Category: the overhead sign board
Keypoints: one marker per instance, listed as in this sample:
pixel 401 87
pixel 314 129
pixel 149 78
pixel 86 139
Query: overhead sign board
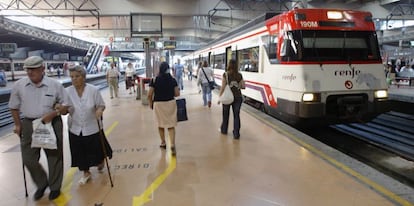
pixel 151 44
pixel 146 24
pixel 169 44
pixel 8 47
pixel 404 44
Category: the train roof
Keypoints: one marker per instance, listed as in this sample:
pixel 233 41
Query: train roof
pixel 252 24
pixel 323 19
pixel 359 17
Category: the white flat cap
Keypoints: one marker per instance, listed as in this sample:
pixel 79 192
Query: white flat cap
pixel 33 62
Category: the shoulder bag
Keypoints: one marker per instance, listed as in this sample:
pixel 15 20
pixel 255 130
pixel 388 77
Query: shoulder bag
pixel 181 110
pixel 227 96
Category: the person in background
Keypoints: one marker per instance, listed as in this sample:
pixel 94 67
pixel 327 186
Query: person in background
pixel 59 70
pixel 84 131
pixel 199 66
pixel 38 96
pixel 205 74
pixel 190 71
pixel 3 78
pixel 161 98
pixel 112 77
pixel 129 80
pixel 236 83
pixel 178 74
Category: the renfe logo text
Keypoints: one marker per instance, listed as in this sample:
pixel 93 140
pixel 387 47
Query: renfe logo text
pixel 348 73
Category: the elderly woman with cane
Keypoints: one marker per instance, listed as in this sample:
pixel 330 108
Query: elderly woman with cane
pixel 85 125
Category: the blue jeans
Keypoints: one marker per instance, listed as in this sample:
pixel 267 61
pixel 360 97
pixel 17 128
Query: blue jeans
pixel 236 105
pixel 179 79
pixel 206 93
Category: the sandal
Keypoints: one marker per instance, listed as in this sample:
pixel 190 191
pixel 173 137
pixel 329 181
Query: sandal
pixel 163 146
pixel 84 179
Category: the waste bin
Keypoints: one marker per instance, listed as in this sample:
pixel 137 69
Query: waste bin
pixel 144 90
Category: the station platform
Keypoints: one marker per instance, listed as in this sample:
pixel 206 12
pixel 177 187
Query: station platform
pixel 271 164
pixel 405 94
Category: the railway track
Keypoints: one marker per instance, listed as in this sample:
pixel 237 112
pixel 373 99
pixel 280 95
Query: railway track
pixel 386 143
pixel 391 131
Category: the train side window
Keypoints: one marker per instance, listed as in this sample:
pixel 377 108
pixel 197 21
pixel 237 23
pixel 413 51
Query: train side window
pixel 273 48
pixel 290 50
pixel 248 59
pixel 219 62
pixel 270 44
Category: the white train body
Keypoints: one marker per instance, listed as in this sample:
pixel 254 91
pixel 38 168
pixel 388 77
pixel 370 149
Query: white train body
pixel 341 89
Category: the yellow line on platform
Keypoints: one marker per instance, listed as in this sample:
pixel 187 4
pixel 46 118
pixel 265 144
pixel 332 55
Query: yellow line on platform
pixel 66 196
pixel 375 186
pixel 146 195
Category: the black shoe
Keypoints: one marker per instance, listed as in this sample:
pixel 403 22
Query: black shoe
pixel 39 193
pixel 54 194
pixel 236 135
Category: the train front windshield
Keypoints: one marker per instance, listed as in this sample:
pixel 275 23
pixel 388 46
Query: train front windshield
pixel 319 46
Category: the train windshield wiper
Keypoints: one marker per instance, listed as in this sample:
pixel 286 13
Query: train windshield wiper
pixel 318 58
pixel 345 51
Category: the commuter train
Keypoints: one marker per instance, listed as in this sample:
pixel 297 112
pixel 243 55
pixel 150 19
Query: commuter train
pixel 306 65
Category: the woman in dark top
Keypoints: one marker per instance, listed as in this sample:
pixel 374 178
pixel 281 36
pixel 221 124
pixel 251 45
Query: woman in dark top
pixel 236 83
pixel 161 95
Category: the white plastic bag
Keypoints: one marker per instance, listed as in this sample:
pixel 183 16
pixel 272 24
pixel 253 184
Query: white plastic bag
pixel 227 96
pixel 43 135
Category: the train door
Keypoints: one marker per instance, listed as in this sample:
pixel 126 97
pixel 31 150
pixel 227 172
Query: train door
pixel 228 56
pixel 210 60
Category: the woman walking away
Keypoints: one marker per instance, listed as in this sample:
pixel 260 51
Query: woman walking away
pixel 236 82
pixel 205 75
pixel 161 98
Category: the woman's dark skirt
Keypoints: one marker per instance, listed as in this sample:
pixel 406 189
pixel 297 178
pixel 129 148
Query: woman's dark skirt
pixel 86 151
pixel 129 82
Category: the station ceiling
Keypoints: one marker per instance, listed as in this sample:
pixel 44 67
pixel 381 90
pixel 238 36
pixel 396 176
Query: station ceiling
pixel 189 22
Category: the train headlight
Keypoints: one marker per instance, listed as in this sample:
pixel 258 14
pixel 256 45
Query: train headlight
pixel 380 94
pixel 311 97
pixel 334 15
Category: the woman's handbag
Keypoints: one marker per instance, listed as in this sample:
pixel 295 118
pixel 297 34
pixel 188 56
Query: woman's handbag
pixel 227 96
pixel 181 110
pixel 43 135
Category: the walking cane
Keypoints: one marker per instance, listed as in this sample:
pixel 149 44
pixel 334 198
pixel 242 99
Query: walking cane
pixel 104 151
pixel 24 178
pixel 24 175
